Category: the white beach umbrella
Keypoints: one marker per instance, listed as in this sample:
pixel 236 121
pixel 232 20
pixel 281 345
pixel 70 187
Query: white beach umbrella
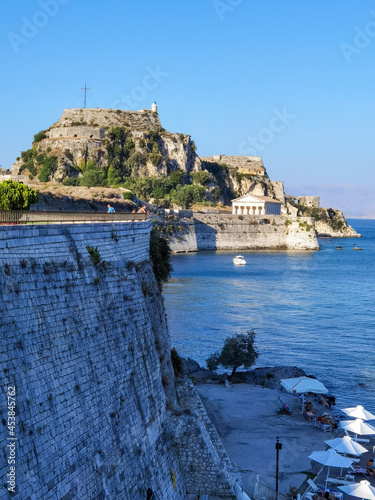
pixel 359 412
pixel 363 489
pixel 331 459
pixel 347 445
pixel 357 426
pixel 303 384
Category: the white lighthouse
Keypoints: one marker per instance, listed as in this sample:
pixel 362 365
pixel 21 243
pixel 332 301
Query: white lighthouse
pixel 154 107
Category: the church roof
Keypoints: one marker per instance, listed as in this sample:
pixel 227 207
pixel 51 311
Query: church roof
pixel 253 197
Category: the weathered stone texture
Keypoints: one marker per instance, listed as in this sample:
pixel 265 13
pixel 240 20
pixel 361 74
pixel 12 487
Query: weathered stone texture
pixel 202 457
pixel 79 346
pixel 237 232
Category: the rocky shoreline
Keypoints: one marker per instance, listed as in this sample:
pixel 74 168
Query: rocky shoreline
pixel 267 376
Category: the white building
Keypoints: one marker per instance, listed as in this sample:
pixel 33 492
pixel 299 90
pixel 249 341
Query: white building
pixel 255 205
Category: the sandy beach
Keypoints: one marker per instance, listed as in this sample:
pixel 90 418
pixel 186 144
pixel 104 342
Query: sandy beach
pixel 246 419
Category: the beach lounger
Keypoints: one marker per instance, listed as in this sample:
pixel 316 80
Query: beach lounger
pixel 339 480
pixel 357 469
pixel 316 488
pixel 359 440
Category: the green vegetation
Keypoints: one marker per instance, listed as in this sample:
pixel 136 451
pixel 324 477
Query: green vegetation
pixel 330 216
pixel 155 187
pixel 48 166
pixel 16 196
pixel 121 151
pixel 237 351
pixel 93 176
pixel 94 255
pixel 202 177
pixel 160 255
pixel 38 164
pixel 40 136
pixel 187 195
pixel 127 195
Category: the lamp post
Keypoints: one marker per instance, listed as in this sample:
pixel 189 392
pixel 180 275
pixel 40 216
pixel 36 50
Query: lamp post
pixel 278 447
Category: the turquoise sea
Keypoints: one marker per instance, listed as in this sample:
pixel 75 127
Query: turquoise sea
pixel 314 310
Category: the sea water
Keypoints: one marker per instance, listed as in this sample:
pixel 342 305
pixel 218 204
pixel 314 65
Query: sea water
pixel 314 310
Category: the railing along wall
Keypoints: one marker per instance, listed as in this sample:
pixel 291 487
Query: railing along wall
pixel 36 217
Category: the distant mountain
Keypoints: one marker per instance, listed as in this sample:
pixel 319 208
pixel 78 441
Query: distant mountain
pixel 355 200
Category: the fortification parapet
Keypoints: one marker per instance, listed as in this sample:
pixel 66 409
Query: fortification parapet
pixel 144 119
pixel 309 201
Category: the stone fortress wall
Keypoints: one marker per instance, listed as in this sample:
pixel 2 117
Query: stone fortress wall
pixel 71 132
pixel 242 232
pixel 309 201
pixel 8 175
pixel 85 344
pixel 144 119
pixel 251 165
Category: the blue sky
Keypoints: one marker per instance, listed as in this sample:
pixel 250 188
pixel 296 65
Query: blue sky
pixel 290 81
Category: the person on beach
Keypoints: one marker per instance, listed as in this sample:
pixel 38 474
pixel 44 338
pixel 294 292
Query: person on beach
pixel 370 468
pixel 110 210
pixel 308 405
pixel 324 419
pixel 324 402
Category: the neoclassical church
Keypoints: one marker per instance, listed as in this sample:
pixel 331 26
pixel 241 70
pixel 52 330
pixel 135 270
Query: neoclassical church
pixel 255 205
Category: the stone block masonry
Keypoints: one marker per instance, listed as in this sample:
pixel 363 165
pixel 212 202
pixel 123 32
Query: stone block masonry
pixel 78 345
pixel 85 344
pixel 237 232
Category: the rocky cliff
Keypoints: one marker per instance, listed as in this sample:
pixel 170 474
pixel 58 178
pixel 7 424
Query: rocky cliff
pixel 82 136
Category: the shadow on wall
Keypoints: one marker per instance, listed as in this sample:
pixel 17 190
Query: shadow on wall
pixel 205 235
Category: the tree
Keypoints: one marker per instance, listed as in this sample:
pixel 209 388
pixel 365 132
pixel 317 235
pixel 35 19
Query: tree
pixel 160 255
pixel 237 351
pixel 16 196
pixel 40 136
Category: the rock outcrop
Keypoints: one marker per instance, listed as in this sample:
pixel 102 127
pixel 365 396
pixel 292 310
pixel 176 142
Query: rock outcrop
pixel 81 135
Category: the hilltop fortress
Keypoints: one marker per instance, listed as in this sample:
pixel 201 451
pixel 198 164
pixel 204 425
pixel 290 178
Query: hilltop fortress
pixel 139 147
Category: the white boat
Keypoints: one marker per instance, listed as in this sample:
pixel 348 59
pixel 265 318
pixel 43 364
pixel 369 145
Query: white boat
pixel 239 261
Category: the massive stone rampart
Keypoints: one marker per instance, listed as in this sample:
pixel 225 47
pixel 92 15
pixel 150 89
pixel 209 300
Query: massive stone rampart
pixel 85 344
pixel 237 232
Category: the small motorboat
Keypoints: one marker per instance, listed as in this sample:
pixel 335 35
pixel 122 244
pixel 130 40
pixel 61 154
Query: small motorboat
pixel 239 261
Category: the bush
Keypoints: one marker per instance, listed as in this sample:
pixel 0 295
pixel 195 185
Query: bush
pixel 188 195
pixel 201 177
pixel 113 178
pixel 71 181
pixel 16 196
pixel 120 149
pixel 128 195
pixel 49 166
pixel 40 136
pixel 155 159
pixel 94 255
pixel 175 178
pixel 217 193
